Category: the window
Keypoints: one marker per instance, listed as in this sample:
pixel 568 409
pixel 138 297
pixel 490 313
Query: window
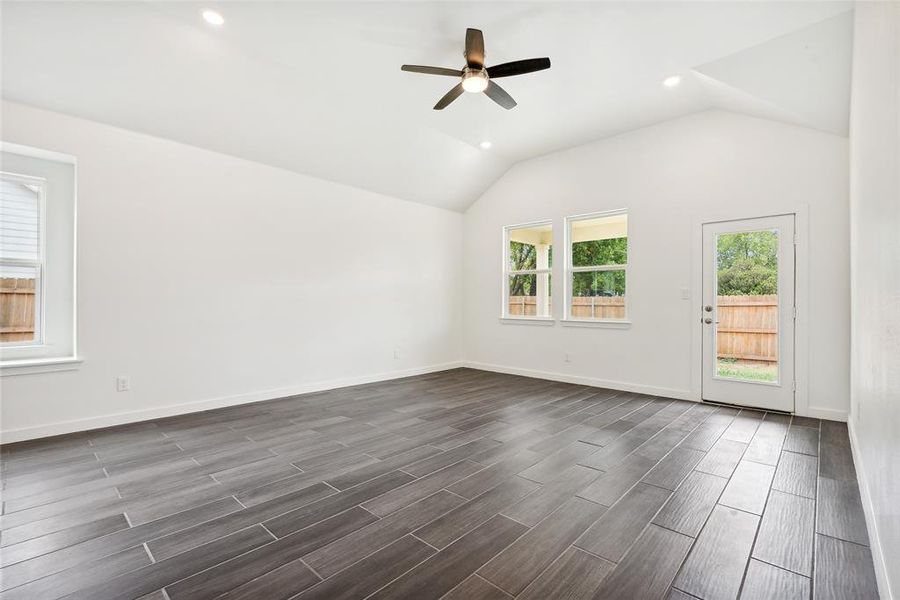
pixel 528 257
pixel 37 260
pixel 21 259
pixel 597 267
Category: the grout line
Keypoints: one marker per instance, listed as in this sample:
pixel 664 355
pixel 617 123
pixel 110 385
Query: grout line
pixel 495 586
pixel 147 550
pixel 314 572
pixel 426 543
pixel 274 537
pixel 238 501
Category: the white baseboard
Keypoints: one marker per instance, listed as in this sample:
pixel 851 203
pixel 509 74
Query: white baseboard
pixel 829 414
pixel 172 410
pixel 881 572
pixel 592 381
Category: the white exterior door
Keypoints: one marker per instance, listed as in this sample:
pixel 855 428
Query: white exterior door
pixel 748 312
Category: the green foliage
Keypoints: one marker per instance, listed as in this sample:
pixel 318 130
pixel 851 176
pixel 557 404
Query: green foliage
pixel 748 263
pixel 600 252
pixel 594 253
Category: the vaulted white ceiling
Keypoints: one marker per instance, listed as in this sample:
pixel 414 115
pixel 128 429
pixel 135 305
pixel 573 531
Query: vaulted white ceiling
pixel 317 88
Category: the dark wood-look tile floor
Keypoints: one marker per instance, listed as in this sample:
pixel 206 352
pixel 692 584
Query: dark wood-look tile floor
pixel 460 484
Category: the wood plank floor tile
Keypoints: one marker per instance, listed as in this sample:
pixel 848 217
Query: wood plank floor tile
pixel 690 505
pixel 649 567
pixel 843 570
pixel 449 567
pixel 326 494
pixel 748 487
pixel 786 534
pixel 242 569
pixel 373 572
pixel 279 584
pixel 476 588
pixel 575 574
pixel 723 458
pixel 804 440
pixel 796 474
pixel 517 566
pixel 840 513
pixel 314 512
pixel 672 469
pixel 342 553
pixel 715 567
pixel 614 533
pixel 765 582
pixel 531 509
pixel 441 532
pixel 421 488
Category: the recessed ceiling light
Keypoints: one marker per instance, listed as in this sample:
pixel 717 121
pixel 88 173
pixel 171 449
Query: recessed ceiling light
pixel 672 81
pixel 484 145
pixel 213 18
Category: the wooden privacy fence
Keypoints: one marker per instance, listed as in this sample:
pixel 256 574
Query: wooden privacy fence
pixel 16 309
pixel 748 328
pixel 748 325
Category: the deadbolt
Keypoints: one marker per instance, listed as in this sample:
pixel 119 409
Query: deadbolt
pixel 707 308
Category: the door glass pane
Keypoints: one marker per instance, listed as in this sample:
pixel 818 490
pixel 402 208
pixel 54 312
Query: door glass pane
pixel 747 306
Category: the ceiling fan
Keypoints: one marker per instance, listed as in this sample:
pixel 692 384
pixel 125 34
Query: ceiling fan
pixel 475 77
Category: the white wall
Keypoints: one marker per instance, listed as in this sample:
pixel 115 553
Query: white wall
pixel 670 176
pixel 875 268
pixel 213 280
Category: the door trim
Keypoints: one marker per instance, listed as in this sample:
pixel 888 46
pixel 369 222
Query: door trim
pixel 801 299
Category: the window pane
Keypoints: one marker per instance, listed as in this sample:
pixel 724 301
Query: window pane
pixel 19 211
pixel 600 241
pixel 747 306
pixel 530 248
pixel 529 295
pixel 598 295
pixel 17 304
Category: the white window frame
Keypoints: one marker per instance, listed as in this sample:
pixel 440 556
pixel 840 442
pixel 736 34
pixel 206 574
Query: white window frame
pixel 58 350
pixel 570 270
pixel 507 273
pixel 38 265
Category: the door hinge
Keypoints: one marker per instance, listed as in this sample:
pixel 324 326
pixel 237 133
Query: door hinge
pixel 795 313
pixel 796 239
pixel 793 386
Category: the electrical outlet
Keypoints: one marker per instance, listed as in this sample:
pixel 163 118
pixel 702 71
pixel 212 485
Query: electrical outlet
pixel 123 383
pixel 396 353
pixel 567 358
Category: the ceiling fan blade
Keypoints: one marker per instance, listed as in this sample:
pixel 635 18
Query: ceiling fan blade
pixel 449 97
pixel 432 70
pixel 474 48
pixel 519 67
pixel 499 95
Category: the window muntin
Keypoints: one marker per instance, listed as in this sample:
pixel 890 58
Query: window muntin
pixel 21 259
pixel 527 263
pixel 597 266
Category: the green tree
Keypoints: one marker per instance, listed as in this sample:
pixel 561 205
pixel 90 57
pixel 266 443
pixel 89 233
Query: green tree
pixel 599 252
pixel 747 263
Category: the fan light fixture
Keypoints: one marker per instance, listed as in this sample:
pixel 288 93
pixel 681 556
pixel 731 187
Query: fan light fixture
pixel 485 145
pixel 213 18
pixel 476 77
pixel 474 81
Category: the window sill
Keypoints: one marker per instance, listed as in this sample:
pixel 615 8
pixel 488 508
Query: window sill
pixel 528 320
pixel 39 365
pixel 607 324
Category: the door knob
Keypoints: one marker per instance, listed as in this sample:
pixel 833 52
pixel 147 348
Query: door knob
pixel 707 320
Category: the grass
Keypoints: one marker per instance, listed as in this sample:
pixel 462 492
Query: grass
pixel 747 371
